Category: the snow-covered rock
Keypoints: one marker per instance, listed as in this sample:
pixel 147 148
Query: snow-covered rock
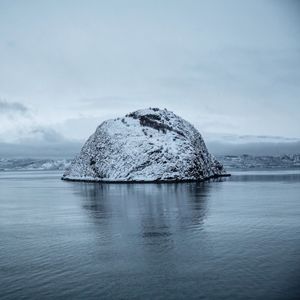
pixel 146 145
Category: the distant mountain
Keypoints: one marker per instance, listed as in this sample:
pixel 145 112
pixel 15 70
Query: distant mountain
pixel 28 164
pixel 252 145
pixel 146 145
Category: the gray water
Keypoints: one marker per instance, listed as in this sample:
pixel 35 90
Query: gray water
pixel 232 239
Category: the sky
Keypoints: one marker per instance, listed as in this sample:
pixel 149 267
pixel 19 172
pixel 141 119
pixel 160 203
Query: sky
pixel 231 68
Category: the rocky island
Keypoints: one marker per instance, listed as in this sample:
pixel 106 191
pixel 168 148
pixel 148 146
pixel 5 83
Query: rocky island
pixel 149 145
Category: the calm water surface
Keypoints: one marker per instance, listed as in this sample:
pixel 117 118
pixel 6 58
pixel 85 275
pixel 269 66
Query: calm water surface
pixel 234 239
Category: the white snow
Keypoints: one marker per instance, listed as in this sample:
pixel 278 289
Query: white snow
pixel 147 145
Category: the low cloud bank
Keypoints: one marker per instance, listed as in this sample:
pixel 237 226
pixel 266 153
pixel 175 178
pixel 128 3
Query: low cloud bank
pixel 12 107
pixel 66 149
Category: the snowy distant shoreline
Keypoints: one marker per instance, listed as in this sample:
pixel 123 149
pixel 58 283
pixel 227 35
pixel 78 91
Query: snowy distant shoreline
pixel 251 162
pixel 32 164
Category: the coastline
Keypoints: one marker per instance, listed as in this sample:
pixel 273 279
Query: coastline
pixel 93 180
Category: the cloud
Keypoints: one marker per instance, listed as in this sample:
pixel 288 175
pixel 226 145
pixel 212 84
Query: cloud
pixel 230 68
pixel 12 108
pixel 39 142
pixel 42 134
pixel 21 126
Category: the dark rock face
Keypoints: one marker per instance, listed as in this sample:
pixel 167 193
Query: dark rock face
pixel 146 145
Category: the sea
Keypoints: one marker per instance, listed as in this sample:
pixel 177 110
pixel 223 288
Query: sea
pixel 233 238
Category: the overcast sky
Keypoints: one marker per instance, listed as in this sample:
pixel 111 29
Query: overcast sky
pixel 232 68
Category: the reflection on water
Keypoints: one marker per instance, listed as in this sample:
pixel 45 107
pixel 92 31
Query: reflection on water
pixel 238 238
pixel 154 212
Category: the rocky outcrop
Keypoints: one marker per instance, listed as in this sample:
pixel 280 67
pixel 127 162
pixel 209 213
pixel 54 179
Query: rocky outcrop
pixel 146 145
